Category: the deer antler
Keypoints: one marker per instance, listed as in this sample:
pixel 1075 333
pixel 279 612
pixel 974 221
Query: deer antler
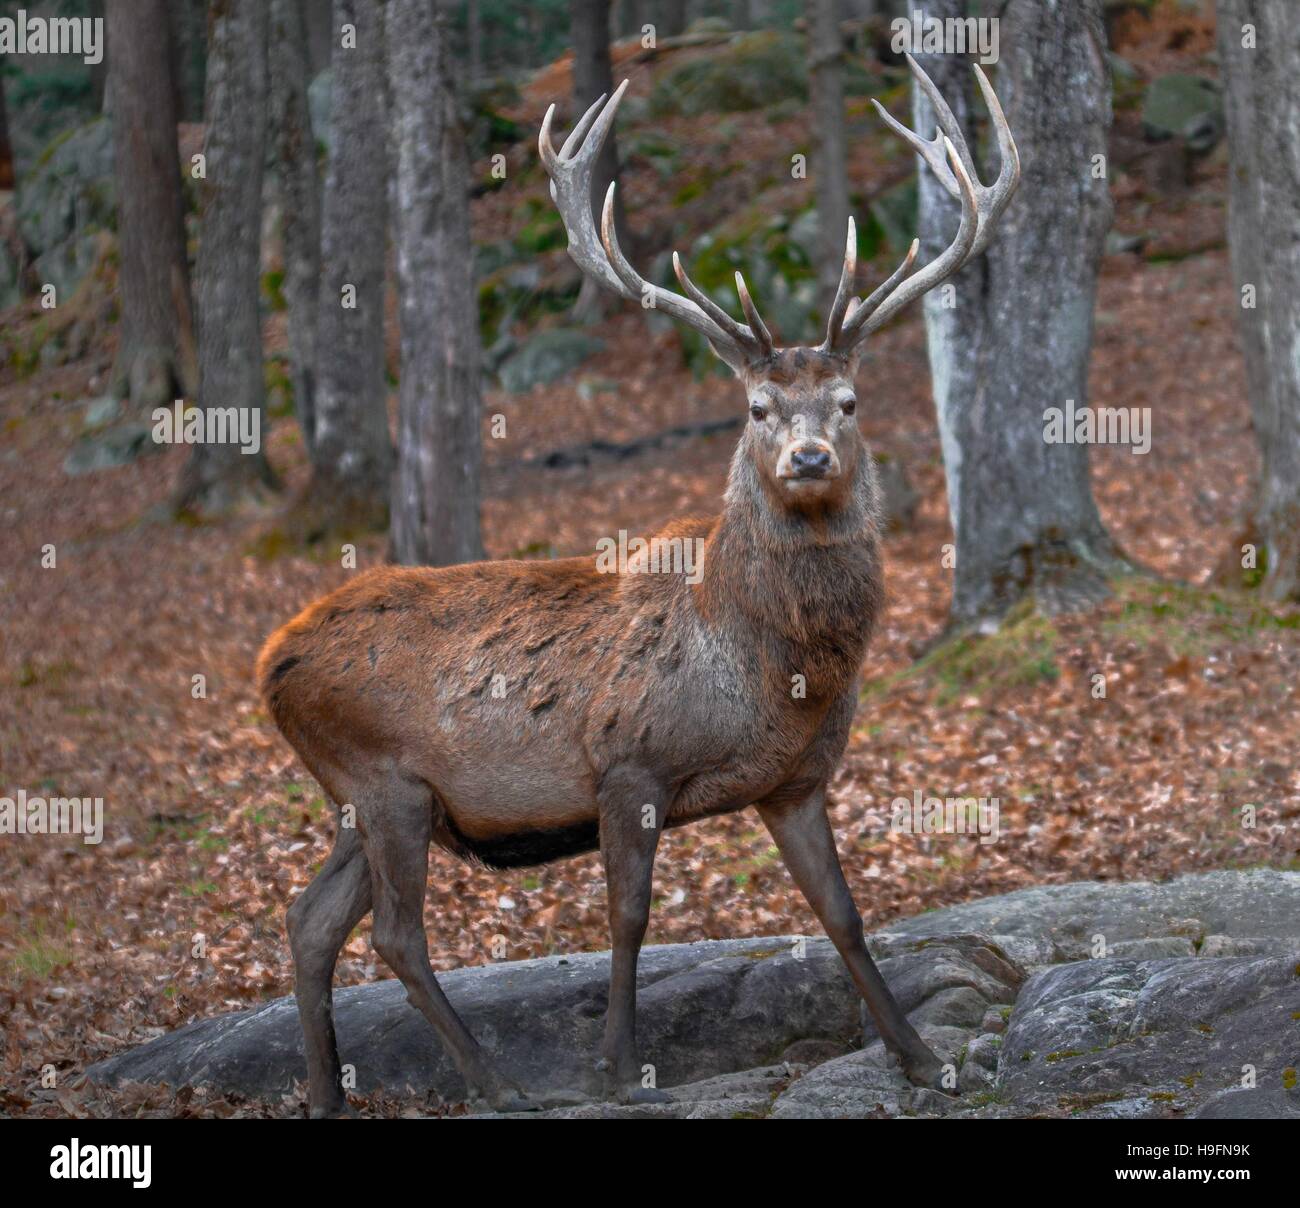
pixel 950 160
pixel 600 257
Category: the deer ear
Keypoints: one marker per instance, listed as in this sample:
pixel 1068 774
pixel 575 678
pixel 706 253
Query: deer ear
pixel 734 358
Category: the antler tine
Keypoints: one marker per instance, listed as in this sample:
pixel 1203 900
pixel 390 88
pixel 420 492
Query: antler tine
pixel 950 160
pixel 844 291
pixel 859 312
pixel 999 194
pixel 752 317
pixel 707 304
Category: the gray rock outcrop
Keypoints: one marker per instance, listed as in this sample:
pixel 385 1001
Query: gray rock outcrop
pixel 1089 1000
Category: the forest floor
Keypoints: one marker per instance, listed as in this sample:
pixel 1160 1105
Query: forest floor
pixel 212 825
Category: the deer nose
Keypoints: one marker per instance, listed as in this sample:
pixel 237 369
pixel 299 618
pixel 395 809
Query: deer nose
pixel 810 463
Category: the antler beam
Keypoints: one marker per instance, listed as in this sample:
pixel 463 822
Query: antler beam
pixel 597 253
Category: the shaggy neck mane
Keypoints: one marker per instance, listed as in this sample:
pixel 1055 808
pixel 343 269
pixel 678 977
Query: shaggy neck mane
pixel 811 578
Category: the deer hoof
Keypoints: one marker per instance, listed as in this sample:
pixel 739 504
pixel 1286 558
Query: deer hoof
pixel 342 1110
pixel 925 1070
pixel 510 1099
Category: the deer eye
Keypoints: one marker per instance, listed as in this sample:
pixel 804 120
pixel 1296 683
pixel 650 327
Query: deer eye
pixel 848 405
pixel 757 412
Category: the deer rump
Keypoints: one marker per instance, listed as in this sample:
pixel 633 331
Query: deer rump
pixel 506 689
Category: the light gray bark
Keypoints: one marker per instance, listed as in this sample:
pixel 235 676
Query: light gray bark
pixel 351 450
pixel 1019 337
pixel 229 326
pixel 435 503
pixel 299 202
pixel 1263 113
pixel 155 332
pixel 830 163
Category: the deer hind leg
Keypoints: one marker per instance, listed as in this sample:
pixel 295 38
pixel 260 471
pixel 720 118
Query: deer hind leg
pixel 631 819
pixel 396 835
pixel 320 922
pixel 803 835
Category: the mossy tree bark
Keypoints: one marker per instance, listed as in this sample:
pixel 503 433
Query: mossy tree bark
pixel 1013 335
pixel 830 163
pixel 435 512
pixel 154 354
pixel 1259 58
pixel 300 202
pixel 351 450
pixel 221 475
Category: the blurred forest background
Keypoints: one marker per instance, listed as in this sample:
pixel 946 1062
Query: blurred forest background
pixel 185 219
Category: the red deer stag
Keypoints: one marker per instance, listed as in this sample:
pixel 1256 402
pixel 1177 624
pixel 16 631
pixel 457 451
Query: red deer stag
pixel 632 702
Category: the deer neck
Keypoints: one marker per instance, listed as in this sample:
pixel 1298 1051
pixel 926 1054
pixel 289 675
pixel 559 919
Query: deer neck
pixel 811 579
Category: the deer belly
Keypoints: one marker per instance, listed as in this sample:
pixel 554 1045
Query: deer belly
pixel 491 788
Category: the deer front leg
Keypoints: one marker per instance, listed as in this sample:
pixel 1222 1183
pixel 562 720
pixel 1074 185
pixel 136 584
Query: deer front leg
pixel 632 805
pixel 803 834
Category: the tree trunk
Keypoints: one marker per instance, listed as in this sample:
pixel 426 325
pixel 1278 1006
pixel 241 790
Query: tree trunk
pixel 98 72
pixel 300 202
pixel 189 54
pixel 474 35
pixel 153 274
pixel 352 454
pixel 435 514
pixel 830 165
pixel 672 18
pixel 221 474
pixel 592 77
pixel 1013 338
pixel 318 24
pixel 1263 112
pixel 6 148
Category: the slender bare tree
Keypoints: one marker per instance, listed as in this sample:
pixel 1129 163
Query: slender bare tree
pixel 352 454
pixel 300 201
pixel 6 148
pixel 1259 57
pixel 830 163
pixel 153 274
pixel 223 471
pixel 189 21
pixel 435 511
pixel 1012 336
pixel 672 18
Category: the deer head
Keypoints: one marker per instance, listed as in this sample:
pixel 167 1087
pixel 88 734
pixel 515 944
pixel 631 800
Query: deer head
pixel 803 439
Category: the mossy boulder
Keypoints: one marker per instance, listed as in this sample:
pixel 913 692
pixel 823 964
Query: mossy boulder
pixel 545 357
pixel 65 201
pixel 1183 106
pixel 753 71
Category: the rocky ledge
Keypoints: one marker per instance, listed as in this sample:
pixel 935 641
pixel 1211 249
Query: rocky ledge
pixel 1128 1000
